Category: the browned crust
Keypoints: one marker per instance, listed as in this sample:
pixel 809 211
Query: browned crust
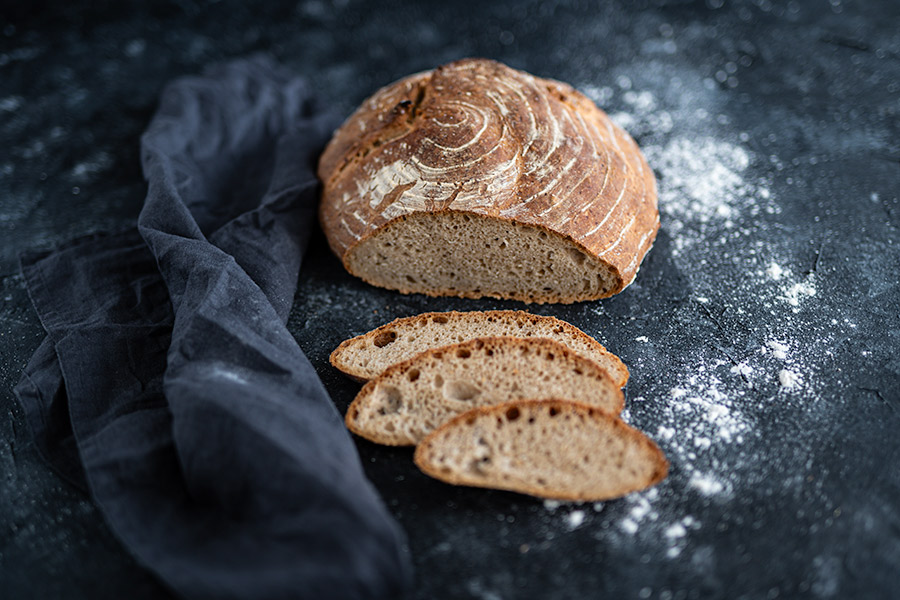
pixel 336 357
pixel 609 187
pixel 401 367
pixel 423 450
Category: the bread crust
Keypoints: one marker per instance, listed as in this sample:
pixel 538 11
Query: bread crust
pixel 424 450
pixel 479 138
pixel 620 376
pixel 365 394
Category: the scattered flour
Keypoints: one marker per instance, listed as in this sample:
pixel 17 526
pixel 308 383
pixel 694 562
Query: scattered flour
pixel 640 509
pixel 799 291
pixel 789 379
pixel 774 271
pixel 628 526
pixel 675 531
pixel 10 103
pixel 575 519
pixel 641 512
pixel 717 215
pixel 135 48
pixel 703 178
pixel 707 484
pixel 97 163
pixel 779 349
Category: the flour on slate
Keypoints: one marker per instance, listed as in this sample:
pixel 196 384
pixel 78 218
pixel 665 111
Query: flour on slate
pixel 714 206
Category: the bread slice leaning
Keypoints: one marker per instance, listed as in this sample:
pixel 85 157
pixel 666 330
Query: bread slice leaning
pixel 412 398
pixel 550 449
pixel 367 355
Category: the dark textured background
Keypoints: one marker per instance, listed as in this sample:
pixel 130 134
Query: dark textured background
pixel 789 112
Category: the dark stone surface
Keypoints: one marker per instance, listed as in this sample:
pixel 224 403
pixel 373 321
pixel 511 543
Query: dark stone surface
pixel 774 130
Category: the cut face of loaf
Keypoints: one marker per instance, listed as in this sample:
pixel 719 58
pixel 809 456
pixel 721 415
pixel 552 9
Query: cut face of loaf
pixel 410 399
pixel 551 449
pixel 476 179
pixel 472 256
pixel 366 356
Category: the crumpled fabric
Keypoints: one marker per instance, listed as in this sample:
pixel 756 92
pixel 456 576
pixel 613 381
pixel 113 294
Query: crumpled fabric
pixel 168 386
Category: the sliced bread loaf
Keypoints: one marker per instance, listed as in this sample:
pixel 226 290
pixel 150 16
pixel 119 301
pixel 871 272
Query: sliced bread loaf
pixel 412 398
pixel 551 449
pixel 367 355
pixel 476 179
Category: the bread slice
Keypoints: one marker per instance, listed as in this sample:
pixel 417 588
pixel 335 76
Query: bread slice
pixel 550 449
pixel 412 398
pixel 367 355
pixel 475 179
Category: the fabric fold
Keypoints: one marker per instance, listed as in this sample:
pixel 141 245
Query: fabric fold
pixel 169 384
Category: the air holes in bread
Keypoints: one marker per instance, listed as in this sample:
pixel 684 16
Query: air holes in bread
pixel 512 414
pixel 460 390
pixel 384 338
pixel 578 257
pixel 413 374
pixel 463 353
pixel 389 400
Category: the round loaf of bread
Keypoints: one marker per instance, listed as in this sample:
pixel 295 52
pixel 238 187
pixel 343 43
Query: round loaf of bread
pixel 476 179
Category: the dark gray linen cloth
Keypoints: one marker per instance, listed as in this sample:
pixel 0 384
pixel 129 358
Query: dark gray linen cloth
pixel 168 386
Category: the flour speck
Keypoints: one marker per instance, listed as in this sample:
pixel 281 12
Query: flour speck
pixel 774 271
pixel 707 484
pixel 789 379
pixel 799 291
pixel 575 519
pixel 779 349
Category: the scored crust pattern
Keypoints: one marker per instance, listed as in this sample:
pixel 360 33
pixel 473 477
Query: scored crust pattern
pixel 476 136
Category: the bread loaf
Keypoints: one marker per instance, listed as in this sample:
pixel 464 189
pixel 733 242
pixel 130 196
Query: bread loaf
pixel 410 399
pixel 476 179
pixel 367 355
pixel 551 449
